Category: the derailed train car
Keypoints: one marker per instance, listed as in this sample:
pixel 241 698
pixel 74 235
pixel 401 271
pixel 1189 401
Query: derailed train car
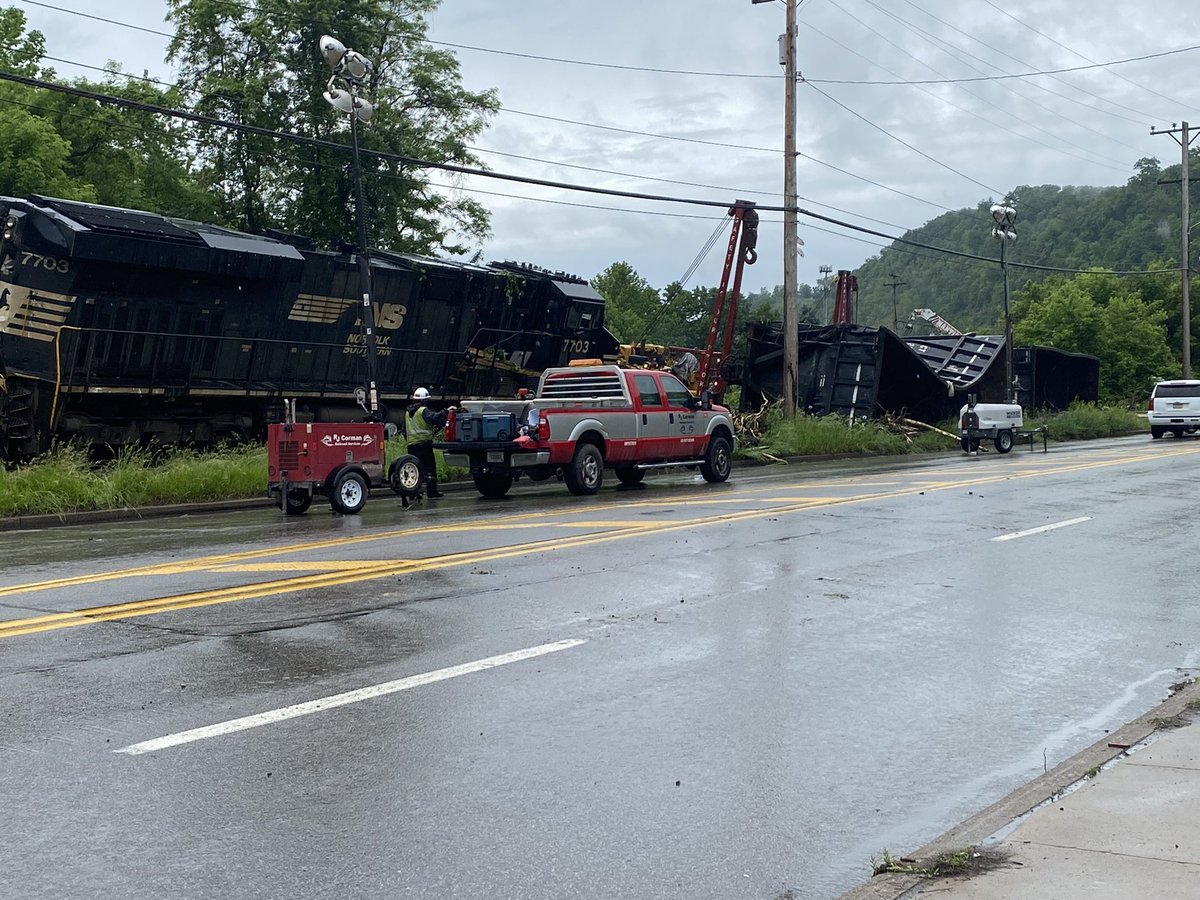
pixel 119 326
pixel 860 372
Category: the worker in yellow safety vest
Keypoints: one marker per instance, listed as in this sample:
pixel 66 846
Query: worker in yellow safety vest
pixel 421 425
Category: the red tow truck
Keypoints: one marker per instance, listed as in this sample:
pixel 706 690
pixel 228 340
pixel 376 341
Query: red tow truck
pixel 586 418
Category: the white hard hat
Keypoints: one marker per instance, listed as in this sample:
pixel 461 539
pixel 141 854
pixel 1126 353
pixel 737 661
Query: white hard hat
pixel 420 394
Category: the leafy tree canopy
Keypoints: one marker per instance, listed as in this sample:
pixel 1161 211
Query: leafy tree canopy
pixel 1118 320
pixel 259 64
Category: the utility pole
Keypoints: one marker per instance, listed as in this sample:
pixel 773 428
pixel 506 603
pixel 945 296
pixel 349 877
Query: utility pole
pixel 1184 140
pixel 893 284
pixel 791 336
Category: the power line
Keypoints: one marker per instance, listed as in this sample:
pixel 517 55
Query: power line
pixel 1015 59
pixel 970 112
pixel 550 162
pixel 484 173
pixel 977 96
pixel 1006 77
pixel 1082 56
pixel 663 71
pixel 83 15
pixel 899 140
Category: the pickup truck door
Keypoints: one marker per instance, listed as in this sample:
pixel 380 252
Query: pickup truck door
pixel 654 431
pixel 686 425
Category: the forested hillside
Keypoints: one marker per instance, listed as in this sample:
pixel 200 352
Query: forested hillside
pixel 1135 226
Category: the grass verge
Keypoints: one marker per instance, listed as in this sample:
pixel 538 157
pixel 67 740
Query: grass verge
pixel 64 480
pixel 833 435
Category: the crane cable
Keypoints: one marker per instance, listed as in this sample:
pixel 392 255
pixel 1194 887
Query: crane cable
pixel 713 240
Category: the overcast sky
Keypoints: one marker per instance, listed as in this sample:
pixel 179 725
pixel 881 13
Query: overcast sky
pixel 906 152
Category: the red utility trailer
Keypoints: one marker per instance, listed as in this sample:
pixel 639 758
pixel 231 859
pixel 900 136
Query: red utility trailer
pixel 342 460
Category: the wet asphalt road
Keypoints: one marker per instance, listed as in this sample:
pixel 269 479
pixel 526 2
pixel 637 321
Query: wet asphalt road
pixel 738 690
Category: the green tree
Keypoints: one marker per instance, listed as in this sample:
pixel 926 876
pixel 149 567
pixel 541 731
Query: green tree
pixel 129 157
pixel 630 303
pixel 1106 316
pixel 34 157
pixel 259 64
pixel 20 53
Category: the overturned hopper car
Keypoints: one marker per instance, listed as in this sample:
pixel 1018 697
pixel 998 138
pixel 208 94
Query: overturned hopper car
pixel 119 326
pixel 861 372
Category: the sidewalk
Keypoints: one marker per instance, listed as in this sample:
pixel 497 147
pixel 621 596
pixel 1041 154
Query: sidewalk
pixel 1130 828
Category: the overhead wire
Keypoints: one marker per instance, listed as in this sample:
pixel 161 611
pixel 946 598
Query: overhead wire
pixel 1113 165
pixel 484 173
pixel 551 162
pixel 979 97
pixel 1105 66
pixel 1007 55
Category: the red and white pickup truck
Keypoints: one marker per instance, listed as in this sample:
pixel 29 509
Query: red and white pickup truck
pixel 584 419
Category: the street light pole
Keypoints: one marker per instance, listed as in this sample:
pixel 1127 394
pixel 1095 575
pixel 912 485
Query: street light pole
pixel 826 271
pixel 1005 231
pixel 349 71
pixel 893 284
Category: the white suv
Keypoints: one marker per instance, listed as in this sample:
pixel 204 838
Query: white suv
pixel 1174 406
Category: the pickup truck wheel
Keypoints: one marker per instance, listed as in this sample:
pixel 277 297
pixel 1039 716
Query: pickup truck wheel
pixel 630 474
pixel 1004 441
pixel 1156 432
pixel 717 460
pixel 349 494
pixel 492 485
pixel 970 445
pixel 585 473
pixel 1178 432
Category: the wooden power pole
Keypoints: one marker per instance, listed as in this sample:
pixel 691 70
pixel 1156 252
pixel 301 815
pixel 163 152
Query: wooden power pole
pixel 1184 138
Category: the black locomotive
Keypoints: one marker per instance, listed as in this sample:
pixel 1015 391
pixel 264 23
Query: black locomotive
pixel 119 326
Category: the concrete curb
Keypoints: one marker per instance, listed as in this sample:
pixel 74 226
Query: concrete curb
pixel 975 830
pixel 92 516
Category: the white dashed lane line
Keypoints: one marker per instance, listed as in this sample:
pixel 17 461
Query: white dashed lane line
pixel 332 702
pixel 1028 531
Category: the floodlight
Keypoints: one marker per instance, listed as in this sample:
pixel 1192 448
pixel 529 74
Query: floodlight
pixel 339 100
pixel 333 50
pixel 355 64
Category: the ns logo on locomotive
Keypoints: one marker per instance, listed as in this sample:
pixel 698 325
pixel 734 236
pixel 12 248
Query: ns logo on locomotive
pixel 119 326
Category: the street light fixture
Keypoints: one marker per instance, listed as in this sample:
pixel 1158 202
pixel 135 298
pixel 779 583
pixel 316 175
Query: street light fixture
pixel 350 69
pixel 1004 229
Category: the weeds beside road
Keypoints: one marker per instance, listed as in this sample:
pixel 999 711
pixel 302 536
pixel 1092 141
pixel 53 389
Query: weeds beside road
pixel 65 480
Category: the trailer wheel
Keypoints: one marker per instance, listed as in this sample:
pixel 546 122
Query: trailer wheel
pixel 349 494
pixel 406 476
pixel 492 485
pixel 1004 441
pixel 585 473
pixel 298 502
pixel 717 460
pixel 630 474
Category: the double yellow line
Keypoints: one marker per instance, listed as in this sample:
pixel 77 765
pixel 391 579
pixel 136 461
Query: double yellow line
pixel 341 573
